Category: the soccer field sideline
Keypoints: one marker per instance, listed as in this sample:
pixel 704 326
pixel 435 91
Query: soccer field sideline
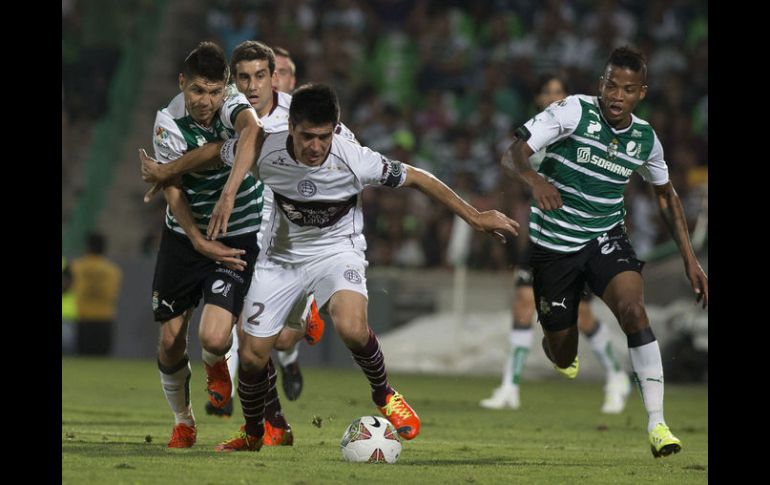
pixel 115 425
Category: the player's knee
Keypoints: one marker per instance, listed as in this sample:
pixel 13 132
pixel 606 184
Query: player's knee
pixel 287 339
pixel 632 316
pixel 216 344
pixel 355 333
pixel 252 361
pixel 172 344
pixel 170 355
pixel 351 325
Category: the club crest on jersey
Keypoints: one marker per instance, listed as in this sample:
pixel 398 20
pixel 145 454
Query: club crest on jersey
pixel 306 188
pixel 353 276
pixel 545 308
pixel 612 149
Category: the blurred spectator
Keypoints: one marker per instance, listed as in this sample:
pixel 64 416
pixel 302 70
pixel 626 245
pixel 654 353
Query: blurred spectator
pixel 285 78
pixel 96 284
pixel 233 25
pixel 69 311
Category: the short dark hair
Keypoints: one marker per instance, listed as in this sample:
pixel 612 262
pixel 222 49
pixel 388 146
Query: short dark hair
pixel 316 103
pixel 544 79
pixel 207 61
pixel 252 50
pixel 95 243
pixel 629 58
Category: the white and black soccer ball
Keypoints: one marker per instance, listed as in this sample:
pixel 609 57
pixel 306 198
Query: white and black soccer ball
pixel 371 439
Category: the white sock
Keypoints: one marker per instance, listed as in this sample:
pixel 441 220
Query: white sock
pixel 648 375
pixel 601 345
pixel 232 361
pixel 286 357
pixel 210 358
pixel 176 387
pixel 521 341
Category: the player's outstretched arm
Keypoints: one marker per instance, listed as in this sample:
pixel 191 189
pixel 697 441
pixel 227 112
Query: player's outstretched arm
pixel 515 162
pixel 211 249
pixel 249 129
pixel 160 174
pixel 493 222
pixel 673 214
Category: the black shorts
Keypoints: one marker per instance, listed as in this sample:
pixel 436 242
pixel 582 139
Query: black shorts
pixel 560 278
pixel 523 277
pixel 183 275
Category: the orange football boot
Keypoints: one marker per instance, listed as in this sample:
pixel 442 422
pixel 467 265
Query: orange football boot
pixel 401 415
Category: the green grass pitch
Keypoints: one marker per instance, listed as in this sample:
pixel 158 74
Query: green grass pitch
pixel 116 423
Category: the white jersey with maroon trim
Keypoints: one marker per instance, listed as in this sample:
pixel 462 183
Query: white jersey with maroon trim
pixel 275 121
pixel 318 209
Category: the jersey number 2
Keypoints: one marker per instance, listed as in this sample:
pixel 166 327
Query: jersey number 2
pixel 260 308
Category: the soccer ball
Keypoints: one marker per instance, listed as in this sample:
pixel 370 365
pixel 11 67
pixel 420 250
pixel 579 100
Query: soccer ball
pixel 371 439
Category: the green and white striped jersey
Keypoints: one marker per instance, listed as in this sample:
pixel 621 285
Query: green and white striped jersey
pixel 176 133
pixel 590 163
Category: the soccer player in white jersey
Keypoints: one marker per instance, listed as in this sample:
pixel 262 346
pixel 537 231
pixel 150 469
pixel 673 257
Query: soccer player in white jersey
pixel 188 265
pixel 318 247
pixel 593 145
pixel 285 77
pixel 255 70
pixel 284 80
pixel 551 88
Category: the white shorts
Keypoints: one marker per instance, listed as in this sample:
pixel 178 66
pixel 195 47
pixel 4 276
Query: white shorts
pixel 279 293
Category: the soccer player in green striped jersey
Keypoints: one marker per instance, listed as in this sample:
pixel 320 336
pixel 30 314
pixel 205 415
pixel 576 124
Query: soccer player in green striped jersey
pixel 255 71
pixel 593 145
pixel 552 88
pixel 188 265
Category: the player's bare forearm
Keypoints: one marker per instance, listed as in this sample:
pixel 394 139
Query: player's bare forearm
pixel 672 212
pixel 250 130
pixel 492 221
pixel 201 158
pixel 162 174
pixel 177 202
pixel 214 250
pixel 515 163
pixel 437 190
